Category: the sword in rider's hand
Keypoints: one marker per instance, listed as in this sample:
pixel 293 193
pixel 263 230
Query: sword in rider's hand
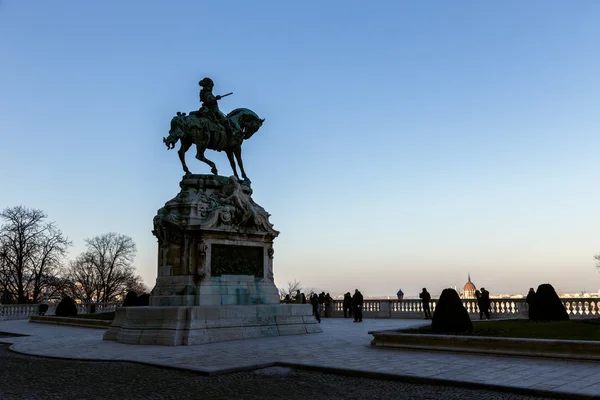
pixel 219 97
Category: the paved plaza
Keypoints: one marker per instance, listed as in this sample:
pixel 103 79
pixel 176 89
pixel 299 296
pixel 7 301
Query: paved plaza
pixel 342 347
pixel 31 378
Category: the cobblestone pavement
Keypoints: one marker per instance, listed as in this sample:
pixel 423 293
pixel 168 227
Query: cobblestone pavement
pixel 25 377
pixel 341 346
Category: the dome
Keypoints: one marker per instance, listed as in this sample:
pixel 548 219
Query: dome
pixel 469 289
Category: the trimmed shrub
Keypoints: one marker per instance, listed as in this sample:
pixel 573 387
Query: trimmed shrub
pixel 450 315
pixel 130 299
pixel 143 300
pixel 66 308
pixel 547 306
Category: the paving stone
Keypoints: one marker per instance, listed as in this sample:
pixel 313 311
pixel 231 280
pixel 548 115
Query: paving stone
pixel 26 377
pixel 343 345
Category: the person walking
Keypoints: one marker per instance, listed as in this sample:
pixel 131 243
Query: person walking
pixel 485 303
pixel 357 303
pixel 347 304
pixel 321 302
pixel 425 299
pixel 314 301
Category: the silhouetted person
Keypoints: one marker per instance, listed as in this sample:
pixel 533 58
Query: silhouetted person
pixel 347 304
pixel 357 303
pixel 328 306
pixel 298 297
pixel 479 303
pixel 321 302
pixel 303 299
pixel 425 299
pixel 529 300
pixel 314 301
pixel 287 299
pixel 400 294
pixel 484 305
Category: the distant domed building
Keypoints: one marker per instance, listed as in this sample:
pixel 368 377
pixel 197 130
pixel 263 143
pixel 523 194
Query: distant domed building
pixel 469 289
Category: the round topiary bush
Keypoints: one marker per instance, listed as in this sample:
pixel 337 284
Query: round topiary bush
pixel 450 315
pixel 547 306
pixel 143 300
pixel 66 308
pixel 130 299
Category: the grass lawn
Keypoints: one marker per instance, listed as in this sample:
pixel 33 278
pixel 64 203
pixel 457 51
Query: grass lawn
pixel 105 316
pixel 586 329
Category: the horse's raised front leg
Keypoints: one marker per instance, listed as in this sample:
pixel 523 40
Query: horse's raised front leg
pixel 184 147
pixel 238 156
pixel 232 162
pixel 200 149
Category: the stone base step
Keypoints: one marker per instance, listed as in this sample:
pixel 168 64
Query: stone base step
pixel 193 325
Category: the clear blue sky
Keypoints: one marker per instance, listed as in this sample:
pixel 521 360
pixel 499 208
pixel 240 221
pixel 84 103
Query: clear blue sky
pixel 405 144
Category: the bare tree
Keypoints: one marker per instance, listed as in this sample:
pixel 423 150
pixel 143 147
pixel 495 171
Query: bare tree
pixel 84 283
pixel 136 283
pixel 31 253
pixel 58 286
pixel 106 268
pixel 291 289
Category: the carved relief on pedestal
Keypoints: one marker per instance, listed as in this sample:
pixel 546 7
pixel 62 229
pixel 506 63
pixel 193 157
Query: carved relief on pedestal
pixel 202 248
pixel 212 208
pixel 167 232
pixel 223 203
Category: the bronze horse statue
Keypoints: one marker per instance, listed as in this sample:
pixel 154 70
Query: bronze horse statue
pixel 207 134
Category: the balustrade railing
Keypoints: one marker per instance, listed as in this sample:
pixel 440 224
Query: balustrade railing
pixel 499 308
pixel 24 311
pixel 372 308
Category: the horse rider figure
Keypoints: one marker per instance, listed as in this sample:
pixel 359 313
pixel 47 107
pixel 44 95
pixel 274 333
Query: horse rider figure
pixel 210 107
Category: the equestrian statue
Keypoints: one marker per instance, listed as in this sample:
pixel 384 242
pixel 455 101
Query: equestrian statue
pixel 209 128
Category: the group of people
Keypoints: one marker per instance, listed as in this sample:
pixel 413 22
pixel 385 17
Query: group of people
pixel 352 305
pixel 322 304
pixel 299 298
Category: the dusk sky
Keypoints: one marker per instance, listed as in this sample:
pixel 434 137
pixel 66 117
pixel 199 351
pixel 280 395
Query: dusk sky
pixel 405 145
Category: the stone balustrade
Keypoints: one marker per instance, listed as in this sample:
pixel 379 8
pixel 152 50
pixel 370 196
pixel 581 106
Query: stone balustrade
pixel 24 311
pixel 17 311
pixel 382 308
pixel 499 308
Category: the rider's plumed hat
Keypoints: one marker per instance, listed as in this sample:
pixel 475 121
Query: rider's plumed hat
pixel 206 82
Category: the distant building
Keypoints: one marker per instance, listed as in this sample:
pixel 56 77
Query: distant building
pixel 469 289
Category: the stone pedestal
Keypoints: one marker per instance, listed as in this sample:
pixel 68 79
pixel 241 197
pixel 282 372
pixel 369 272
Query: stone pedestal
pixel 215 272
pixel 176 326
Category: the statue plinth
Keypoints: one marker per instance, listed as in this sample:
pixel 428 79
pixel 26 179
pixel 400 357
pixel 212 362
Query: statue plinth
pixel 215 272
pixel 215 246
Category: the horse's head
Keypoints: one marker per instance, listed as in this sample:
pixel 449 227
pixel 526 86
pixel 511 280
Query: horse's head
pixel 247 120
pixel 251 126
pixel 177 130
